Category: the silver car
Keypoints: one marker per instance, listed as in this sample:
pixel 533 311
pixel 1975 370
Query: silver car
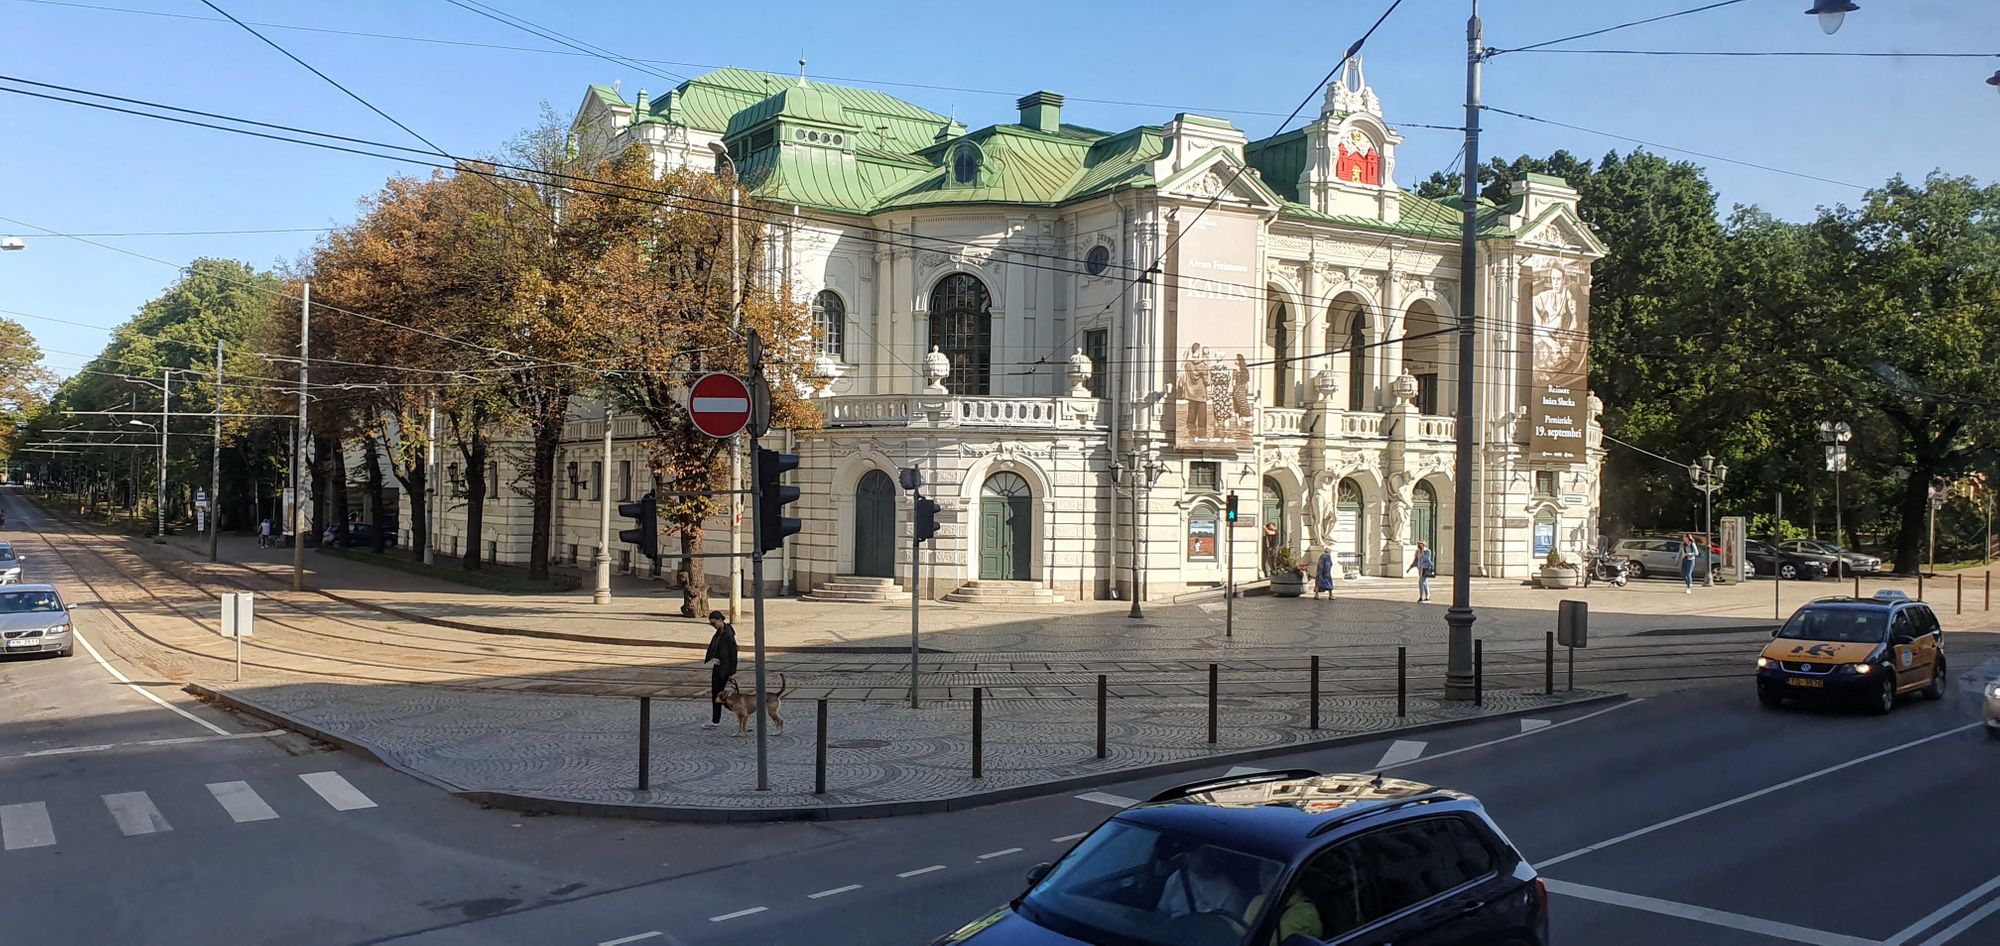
pixel 1993 709
pixel 1657 558
pixel 33 620
pixel 10 564
pixel 1850 563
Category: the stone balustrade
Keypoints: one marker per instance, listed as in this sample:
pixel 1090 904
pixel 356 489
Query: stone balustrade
pixel 1437 428
pixel 1283 421
pixel 904 410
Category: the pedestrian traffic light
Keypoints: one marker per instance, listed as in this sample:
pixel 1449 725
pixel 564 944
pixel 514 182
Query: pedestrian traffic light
pixel 1229 509
pixel 772 497
pixel 645 531
pixel 927 513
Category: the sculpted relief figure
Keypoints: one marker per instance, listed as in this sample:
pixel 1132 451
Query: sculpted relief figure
pixel 1399 506
pixel 1322 509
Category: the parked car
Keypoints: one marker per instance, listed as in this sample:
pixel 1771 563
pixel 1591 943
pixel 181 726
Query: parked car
pixel 1293 858
pixel 1845 563
pixel 10 564
pixel 1788 565
pixel 1659 558
pixel 33 620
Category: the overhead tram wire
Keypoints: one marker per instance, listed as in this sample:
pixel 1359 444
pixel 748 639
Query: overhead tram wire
pixel 542 32
pixel 1490 51
pixel 1653 144
pixel 1758 53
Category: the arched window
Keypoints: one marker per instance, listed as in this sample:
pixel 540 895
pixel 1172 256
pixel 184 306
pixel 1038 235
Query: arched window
pixel 965 164
pixel 1357 360
pixel 1273 513
pixel 1201 538
pixel 961 326
pixel 830 320
pixel 1279 334
pixel 1424 515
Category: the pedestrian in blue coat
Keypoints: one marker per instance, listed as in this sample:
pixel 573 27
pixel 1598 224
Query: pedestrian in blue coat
pixel 1323 575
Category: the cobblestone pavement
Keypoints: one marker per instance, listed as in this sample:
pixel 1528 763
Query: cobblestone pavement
pixel 583 749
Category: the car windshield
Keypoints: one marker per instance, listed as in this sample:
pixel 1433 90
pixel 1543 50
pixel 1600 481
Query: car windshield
pixel 6 555
pixel 1131 885
pixel 17 602
pixel 1848 625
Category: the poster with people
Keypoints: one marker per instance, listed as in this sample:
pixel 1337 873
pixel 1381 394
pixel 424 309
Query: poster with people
pixel 1213 334
pixel 1559 325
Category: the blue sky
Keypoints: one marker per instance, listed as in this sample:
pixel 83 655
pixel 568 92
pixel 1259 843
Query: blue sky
pixel 82 171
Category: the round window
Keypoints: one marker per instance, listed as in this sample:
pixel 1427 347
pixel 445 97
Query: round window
pixel 837 139
pixel 800 134
pixel 1097 260
pixel 812 136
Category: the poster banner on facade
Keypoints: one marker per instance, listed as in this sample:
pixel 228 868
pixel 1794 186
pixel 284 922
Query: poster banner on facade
pixel 1212 334
pixel 1559 405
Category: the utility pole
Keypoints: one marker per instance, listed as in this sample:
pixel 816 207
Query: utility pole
pixel 602 594
pixel 299 439
pixel 431 491
pixel 1458 677
pixel 215 461
pixel 160 502
pixel 736 441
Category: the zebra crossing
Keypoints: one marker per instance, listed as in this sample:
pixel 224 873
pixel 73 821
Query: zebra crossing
pixel 28 825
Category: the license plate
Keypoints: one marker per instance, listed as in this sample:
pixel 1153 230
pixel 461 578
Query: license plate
pixel 1799 682
pixel 26 642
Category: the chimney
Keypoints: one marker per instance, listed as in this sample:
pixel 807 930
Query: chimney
pixel 1041 111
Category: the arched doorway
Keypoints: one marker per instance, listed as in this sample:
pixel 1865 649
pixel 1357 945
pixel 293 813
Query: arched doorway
pixel 875 525
pixel 1006 510
pixel 1347 533
pixel 961 326
pixel 1424 515
pixel 1273 515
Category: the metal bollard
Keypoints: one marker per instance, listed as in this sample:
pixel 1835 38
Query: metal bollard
pixel 1988 606
pixel 645 742
pixel 1920 583
pixel 1857 584
pixel 1479 672
pixel 819 753
pixel 1549 663
pixel 1313 714
pixel 1211 704
pixel 1402 682
pixel 1958 607
pixel 978 730
pixel 1101 688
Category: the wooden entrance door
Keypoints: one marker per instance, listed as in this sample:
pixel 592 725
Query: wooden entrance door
pixel 1005 528
pixel 875 526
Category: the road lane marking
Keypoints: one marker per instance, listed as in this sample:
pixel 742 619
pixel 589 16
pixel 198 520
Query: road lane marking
pixel 1530 725
pixel 1910 932
pixel 993 854
pixel 176 741
pixel 1688 911
pixel 25 825
pixel 337 791
pixel 1244 770
pixel 1966 922
pixel 142 691
pixel 241 801
pixel 1065 839
pixel 834 891
pixel 135 813
pixel 1401 751
pixel 1519 735
pixel 921 870
pixel 1781 786
pixel 1106 798
pixel 635 937
pixel 737 914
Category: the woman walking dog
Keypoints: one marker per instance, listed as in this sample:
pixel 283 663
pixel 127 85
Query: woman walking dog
pixel 722 650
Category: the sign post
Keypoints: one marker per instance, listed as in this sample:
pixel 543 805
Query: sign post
pixel 719 405
pixel 1573 631
pixel 238 619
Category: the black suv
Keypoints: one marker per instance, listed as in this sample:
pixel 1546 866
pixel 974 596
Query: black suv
pixel 1289 858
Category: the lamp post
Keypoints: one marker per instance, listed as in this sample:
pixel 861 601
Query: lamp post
pixel 1835 434
pixel 735 323
pixel 1150 470
pixel 1708 476
pixel 602 560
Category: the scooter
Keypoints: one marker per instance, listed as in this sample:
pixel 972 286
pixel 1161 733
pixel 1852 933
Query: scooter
pixel 1606 568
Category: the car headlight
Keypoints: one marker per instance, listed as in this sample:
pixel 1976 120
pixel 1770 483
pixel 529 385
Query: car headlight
pixel 58 629
pixel 1862 668
pixel 1763 662
pixel 1993 691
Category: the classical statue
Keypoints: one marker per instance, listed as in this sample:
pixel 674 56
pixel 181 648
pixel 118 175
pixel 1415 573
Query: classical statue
pixel 1399 505
pixel 1322 507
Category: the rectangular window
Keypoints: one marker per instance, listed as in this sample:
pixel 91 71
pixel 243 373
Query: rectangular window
pixel 572 553
pixel 624 481
pixel 1097 347
pixel 596 480
pixel 1545 483
pixel 1204 476
pixel 1427 394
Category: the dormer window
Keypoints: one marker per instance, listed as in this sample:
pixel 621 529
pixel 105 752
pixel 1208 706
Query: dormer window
pixel 965 164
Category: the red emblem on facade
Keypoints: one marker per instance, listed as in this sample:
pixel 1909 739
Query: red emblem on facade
pixel 1358 167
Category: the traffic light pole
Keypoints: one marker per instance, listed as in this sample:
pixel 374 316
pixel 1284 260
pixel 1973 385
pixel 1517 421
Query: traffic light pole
pixel 916 596
pixel 757 606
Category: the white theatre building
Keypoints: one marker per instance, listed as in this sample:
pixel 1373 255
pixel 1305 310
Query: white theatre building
pixel 982 311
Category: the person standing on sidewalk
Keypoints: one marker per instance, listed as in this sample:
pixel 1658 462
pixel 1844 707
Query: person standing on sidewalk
pixel 722 650
pixel 1425 567
pixel 1323 575
pixel 1687 563
pixel 264 533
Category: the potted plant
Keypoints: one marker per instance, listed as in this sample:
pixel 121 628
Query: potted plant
pixel 1288 576
pixel 1558 572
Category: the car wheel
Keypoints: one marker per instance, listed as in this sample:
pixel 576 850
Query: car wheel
pixel 1885 696
pixel 1638 570
pixel 1993 732
pixel 1788 572
pixel 1934 690
pixel 1770 697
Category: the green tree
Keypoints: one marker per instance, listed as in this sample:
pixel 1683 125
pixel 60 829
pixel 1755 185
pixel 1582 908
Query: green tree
pixel 24 384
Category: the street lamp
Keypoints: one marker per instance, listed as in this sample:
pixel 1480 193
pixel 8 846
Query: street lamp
pixel 1831 13
pixel 1994 82
pixel 721 153
pixel 13 243
pixel 1708 476
pixel 1835 434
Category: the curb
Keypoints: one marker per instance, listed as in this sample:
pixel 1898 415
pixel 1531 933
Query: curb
pixel 533 803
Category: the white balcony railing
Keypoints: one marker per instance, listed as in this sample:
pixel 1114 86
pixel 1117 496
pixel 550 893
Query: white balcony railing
pixel 1283 421
pixel 904 410
pixel 1354 424
pixel 1437 428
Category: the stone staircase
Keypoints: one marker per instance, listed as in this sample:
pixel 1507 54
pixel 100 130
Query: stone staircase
pixel 984 591
pixel 858 588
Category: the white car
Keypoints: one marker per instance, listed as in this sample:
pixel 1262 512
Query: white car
pixel 1993 708
pixel 10 565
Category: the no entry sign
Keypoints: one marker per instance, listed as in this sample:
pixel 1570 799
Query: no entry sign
pixel 719 404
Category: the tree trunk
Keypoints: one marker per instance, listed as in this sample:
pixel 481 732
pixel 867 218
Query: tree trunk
pixel 548 436
pixel 338 514
pixel 372 455
pixel 692 574
pixel 315 523
pixel 475 498
pixel 415 478
pixel 1913 510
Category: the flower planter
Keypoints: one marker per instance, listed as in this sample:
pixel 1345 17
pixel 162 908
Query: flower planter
pixel 1559 577
pixel 1288 585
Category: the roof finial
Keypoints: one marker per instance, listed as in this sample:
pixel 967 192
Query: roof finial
pixel 802 67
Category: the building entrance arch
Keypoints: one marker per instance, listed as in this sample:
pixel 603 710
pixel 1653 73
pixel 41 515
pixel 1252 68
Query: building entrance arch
pixel 875 525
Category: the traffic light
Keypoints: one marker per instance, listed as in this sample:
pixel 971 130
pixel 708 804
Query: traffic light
pixel 773 496
pixel 1229 509
pixel 927 513
pixel 645 531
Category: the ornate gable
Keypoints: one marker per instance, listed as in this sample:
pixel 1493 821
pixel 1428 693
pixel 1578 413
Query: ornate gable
pixel 1221 173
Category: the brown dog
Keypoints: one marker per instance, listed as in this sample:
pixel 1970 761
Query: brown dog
pixel 744 705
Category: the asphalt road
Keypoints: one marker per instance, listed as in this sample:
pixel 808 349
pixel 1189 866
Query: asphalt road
pixel 1690 816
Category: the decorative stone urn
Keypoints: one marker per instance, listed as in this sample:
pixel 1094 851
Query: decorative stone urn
pixel 1326 383
pixel 937 367
pixel 1404 388
pixel 1079 374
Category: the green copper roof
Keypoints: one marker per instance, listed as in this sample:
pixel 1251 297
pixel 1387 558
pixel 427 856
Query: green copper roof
pixel 1280 159
pixel 711 101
